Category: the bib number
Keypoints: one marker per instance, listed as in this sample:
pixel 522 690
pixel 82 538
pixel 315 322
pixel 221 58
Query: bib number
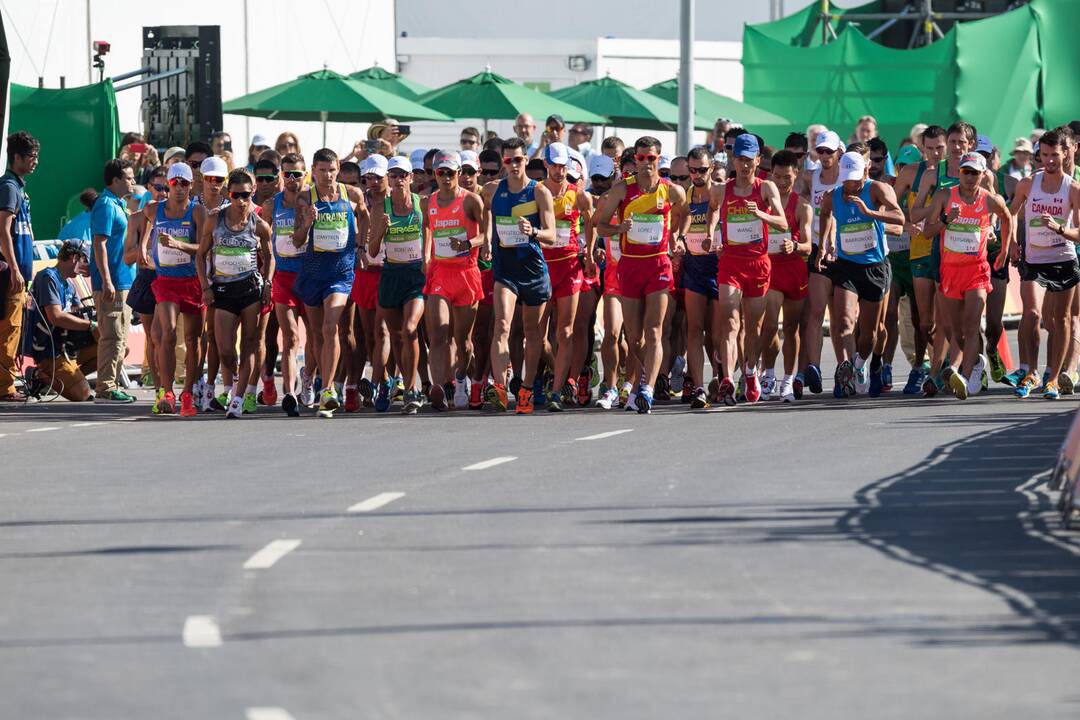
pixel 962 239
pixel 283 243
pixel 510 234
pixel 562 233
pixel 1039 234
pixel 614 249
pixel 230 262
pixel 900 243
pixel 405 249
pixel 443 239
pixel 330 237
pixel 646 230
pixel 858 238
pixel 743 229
pixel 776 242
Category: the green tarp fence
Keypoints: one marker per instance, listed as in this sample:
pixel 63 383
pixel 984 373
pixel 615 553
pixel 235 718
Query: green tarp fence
pixel 79 132
pixel 1006 74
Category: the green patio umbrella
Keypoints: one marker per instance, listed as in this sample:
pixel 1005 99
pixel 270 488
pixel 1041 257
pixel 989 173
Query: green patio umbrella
pixel 327 96
pixel 626 106
pixel 489 96
pixel 714 105
pixel 395 84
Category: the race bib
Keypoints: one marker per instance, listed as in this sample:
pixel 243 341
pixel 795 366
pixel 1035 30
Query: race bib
pixel 695 240
pixel 743 229
pixel 1039 234
pixel 776 242
pixel 231 262
pixel 445 236
pixel 614 249
pixel 171 257
pixel 960 238
pixel 331 235
pixel 562 233
pixel 283 243
pixel 901 243
pixel 646 230
pixel 404 248
pixel 857 238
pixel 510 234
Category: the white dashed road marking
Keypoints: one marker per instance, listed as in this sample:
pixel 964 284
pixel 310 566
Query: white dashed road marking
pixel 374 503
pixel 201 631
pixel 601 436
pixel 484 465
pixel 274 551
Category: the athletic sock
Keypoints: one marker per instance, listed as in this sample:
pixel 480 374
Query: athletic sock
pixel 251 389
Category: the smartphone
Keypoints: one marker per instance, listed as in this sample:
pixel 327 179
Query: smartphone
pixel 371 145
pixel 404 129
pixel 227 146
pixel 138 148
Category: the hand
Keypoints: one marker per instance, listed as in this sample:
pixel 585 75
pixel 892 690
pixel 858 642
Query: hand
pixel 1048 221
pixel 485 253
pixel 911 229
pixel 208 297
pixel 361 257
pixel 307 214
pixel 954 212
pixel 266 294
pixel 678 248
pixel 753 209
pixel 999 261
pixel 525 226
pixel 460 244
pixel 424 266
pixel 589 267
pixel 858 203
pixel 599 255
pixel 626 225
pixel 108 292
pixel 788 247
pixel 166 240
pixel 1014 252
pixel 357 149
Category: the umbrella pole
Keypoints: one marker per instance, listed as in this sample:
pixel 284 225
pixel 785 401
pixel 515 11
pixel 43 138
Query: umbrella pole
pixel 323 115
pixel 485 131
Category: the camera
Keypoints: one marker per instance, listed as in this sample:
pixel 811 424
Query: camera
pixel 101 47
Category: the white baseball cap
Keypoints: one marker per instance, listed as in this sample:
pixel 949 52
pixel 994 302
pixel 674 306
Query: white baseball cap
pixel 470 158
pixel 214 166
pixel 852 166
pixel 179 170
pixel 447 159
pixel 557 154
pixel 973 160
pixel 575 155
pixel 827 139
pixel 665 162
pixel 984 144
pixel 600 164
pixel 400 162
pixel 416 157
pixel 374 165
pixel 259 140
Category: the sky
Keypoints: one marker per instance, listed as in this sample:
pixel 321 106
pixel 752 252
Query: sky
pixel 715 19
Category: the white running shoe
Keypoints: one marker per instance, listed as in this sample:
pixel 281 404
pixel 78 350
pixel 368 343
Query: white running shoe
pixel 206 398
pixel 461 393
pixel 787 390
pixel 678 374
pixel 608 400
pixel 974 383
pixel 631 402
pixel 768 386
pixel 307 392
pixel 236 407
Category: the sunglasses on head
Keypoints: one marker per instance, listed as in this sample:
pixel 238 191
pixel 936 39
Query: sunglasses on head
pixel 240 194
pixel 266 178
pixel 468 171
pixel 213 179
pixel 516 160
pixel 446 172
pixel 489 173
pixel 642 157
pixel 164 188
pixel 293 174
pixel 699 170
pixel 177 181
pixel 678 178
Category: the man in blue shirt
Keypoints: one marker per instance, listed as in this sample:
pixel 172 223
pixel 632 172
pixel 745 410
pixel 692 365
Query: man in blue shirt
pixel 78 227
pixel 56 326
pixel 111 278
pixel 16 255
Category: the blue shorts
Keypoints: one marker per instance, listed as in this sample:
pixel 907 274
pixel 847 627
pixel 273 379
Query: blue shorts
pixel 531 291
pixel 313 290
pixel 699 275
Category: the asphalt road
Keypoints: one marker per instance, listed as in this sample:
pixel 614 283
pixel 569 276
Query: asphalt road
pixel 888 558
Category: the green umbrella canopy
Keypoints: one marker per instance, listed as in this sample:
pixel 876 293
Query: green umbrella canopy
pixel 488 96
pixel 325 95
pixel 395 84
pixel 715 105
pixel 626 106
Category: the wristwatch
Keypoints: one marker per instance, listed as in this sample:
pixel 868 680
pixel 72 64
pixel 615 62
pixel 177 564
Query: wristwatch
pixel 534 234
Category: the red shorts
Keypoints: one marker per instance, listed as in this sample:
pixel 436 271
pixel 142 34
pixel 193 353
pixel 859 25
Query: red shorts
pixel 365 288
pixel 566 277
pixel 589 284
pixel 460 284
pixel 611 279
pixel 677 291
pixel 487 282
pixel 957 279
pixel 641 276
pixel 281 291
pixel 185 293
pixel 790 276
pixel 748 274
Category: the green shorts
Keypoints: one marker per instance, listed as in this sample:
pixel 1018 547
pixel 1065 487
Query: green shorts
pixel 398 286
pixel 924 268
pixel 901 272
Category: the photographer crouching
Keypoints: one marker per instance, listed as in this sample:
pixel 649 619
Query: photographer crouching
pixel 65 337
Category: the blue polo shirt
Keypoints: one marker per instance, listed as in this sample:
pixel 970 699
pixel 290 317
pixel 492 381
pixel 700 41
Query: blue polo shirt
pixel 77 228
pixel 13 199
pixel 109 218
pixel 49 289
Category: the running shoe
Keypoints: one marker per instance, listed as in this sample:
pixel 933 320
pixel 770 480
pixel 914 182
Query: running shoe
pixel 644 400
pixel 352 400
pixel 554 403
pixel 1027 385
pixel 997 366
pixel 930 386
pixel 496 397
pixel 726 391
pixel 382 400
pixel 147 380
pixel 624 394
pixel 539 394
pixel 594 372
pixel 206 400
pixel 915 380
pixel 608 399
pixel 235 408
pixel 698 399
pixel 399 387
pixel 797 386
pixel 886 378
pixel 307 391
pixel 631 402
pixel 958 384
pixel 688 390
pixel 862 382
pixel 787 390
pixel 251 405
pixel 1042 385
pixel 1065 384
pixel 753 388
pixel 290 405
pixel 978 372
pixel 157 399
pixel 714 390
pixel 437 396
pixel 461 392
pixel 1014 378
pixel 114 397
pixel 367 391
pixel 848 378
pixel 412 401
pixel 197 388
pixel 514 385
pixel 813 379
pixel 663 389
pixel 524 402
pixel 740 388
pixel 476 396
pixel 569 393
pixel 166 404
pixel 269 392
pixel 1050 392
pixel 584 389
pixel 187 405
pixel 221 402
pixel 768 387
pixel 877 382
pixel 678 374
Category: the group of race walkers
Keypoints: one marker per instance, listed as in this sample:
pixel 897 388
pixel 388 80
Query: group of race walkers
pixel 466 283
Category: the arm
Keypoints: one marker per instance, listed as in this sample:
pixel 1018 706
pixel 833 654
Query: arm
pixel 487 193
pixel 935 224
pixel 363 217
pixel 804 216
pixel 474 210
pixel 919 211
pixel 206 241
pixel 134 249
pixel 305 218
pixel 101 220
pixel 58 317
pixel 7 249
pixel 377 229
pixel 828 249
pixel 997 206
pixel 888 209
pixel 712 220
pixel 775 217
pixel 427 234
pixel 262 231
pixel 585 207
pixel 545 234
pixel 609 203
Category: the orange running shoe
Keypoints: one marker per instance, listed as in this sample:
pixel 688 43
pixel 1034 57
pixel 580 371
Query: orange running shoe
pixel 496 397
pixel 269 393
pixel 524 402
pixel 476 396
pixel 352 400
pixel 187 405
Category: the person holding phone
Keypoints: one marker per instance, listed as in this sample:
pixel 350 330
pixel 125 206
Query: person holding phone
pixel 554 131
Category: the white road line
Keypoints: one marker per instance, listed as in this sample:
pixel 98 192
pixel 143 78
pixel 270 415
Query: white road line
pixel 44 429
pixel 484 465
pixel 88 424
pixel 374 503
pixel 601 436
pixel 274 551
pixel 267 713
pixel 201 631
pixel 3 434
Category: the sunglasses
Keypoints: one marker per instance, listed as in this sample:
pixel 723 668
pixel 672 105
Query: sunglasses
pixel 176 181
pixel 213 180
pixel 165 188
pixel 266 178
pixel 397 175
pixel 825 151
pixel 468 171
pixel 489 173
pixel 699 171
pixel 240 195
pixel 665 174
pixel 599 178
pixel 194 164
pixel 678 178
pixel 293 174
pixel 969 171
pixel 516 160
pixel 642 157
pixel 877 158
pixel 800 154
pixel 729 147
pixel 445 172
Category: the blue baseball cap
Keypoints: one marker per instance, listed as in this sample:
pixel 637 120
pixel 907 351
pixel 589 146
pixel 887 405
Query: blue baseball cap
pixel 746 145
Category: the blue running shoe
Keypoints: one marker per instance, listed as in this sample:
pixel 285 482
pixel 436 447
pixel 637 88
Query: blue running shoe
pixel 877 382
pixel 886 378
pixel 539 396
pixel 644 400
pixel 813 379
pixel 382 400
pixel 1042 385
pixel 915 380
pixel 1014 378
